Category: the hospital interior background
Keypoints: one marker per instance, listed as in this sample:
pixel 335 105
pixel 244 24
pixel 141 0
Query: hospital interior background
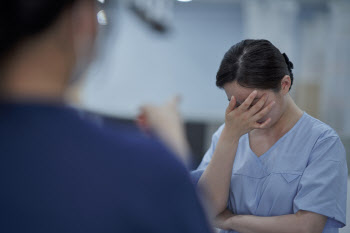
pixel 150 50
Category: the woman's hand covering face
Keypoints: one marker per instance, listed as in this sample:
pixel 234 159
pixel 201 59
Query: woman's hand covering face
pixel 244 118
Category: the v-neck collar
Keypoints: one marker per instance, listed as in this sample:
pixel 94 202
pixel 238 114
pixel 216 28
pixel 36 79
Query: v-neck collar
pixel 276 143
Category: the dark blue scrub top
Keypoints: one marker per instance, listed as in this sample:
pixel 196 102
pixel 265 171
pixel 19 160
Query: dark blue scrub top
pixel 62 173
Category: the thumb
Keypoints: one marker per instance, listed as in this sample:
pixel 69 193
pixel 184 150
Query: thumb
pixel 174 101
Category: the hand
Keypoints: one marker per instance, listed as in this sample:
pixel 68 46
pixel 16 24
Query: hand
pixel 166 123
pixel 241 120
pixel 223 220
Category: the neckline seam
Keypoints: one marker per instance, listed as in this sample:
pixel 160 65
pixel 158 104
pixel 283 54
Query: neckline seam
pixel 277 142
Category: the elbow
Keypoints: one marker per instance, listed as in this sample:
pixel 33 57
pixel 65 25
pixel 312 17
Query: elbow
pixel 216 202
pixel 311 230
pixel 216 206
pixel 310 222
pixel 307 227
pixel 308 230
pixel 304 229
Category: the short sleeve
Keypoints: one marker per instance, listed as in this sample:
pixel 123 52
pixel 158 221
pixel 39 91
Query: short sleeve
pixel 196 174
pixel 323 185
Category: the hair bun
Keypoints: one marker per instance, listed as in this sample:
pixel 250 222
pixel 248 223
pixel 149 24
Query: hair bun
pixel 289 63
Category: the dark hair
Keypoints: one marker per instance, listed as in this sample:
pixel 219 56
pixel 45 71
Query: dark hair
pixel 254 64
pixel 21 19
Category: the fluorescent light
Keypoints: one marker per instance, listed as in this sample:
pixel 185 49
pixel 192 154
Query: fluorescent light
pixel 184 0
pixel 102 18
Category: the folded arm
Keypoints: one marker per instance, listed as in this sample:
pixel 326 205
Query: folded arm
pixel 301 222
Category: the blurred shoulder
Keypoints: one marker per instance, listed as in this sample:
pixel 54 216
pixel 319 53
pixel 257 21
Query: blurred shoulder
pixel 142 152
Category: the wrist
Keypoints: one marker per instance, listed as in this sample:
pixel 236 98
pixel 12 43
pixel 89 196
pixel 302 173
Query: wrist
pixel 230 135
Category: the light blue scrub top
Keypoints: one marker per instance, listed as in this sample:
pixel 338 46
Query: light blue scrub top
pixel 304 170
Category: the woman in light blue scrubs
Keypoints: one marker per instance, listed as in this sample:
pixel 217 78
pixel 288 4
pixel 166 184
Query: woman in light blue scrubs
pixel 271 167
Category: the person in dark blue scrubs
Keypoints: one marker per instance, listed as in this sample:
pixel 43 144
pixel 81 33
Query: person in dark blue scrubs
pixel 60 172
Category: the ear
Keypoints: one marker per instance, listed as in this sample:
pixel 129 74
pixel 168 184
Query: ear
pixel 84 20
pixel 285 84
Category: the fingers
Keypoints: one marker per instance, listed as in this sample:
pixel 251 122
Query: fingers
pixel 174 101
pixel 246 104
pixel 231 105
pixel 263 112
pixel 257 107
pixel 262 125
pixel 142 122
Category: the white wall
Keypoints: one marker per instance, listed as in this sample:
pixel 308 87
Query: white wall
pixel 143 66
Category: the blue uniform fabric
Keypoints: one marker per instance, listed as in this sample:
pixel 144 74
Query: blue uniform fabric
pixel 62 173
pixel 304 170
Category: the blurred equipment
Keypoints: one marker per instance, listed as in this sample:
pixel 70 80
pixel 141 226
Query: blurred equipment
pixel 158 14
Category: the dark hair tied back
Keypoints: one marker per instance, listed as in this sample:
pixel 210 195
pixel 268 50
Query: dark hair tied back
pixel 289 63
pixel 254 64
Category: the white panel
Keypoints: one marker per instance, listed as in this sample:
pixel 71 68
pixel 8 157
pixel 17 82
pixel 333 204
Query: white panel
pixel 143 66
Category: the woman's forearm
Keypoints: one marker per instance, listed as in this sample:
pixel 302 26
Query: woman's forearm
pixel 216 178
pixel 301 222
pixel 215 181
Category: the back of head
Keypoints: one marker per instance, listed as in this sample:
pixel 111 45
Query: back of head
pixel 254 64
pixel 22 19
